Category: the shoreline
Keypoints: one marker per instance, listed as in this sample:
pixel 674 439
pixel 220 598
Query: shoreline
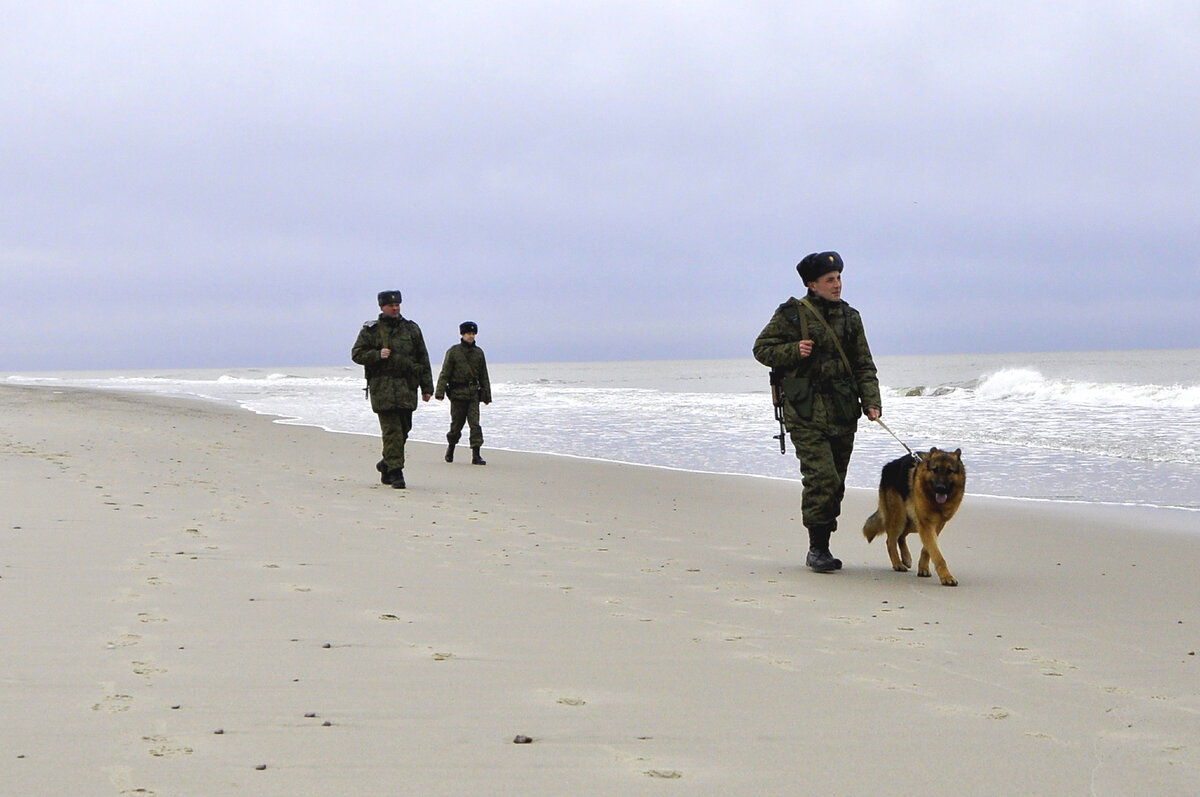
pixel 173 568
pixel 1026 463
pixel 1185 527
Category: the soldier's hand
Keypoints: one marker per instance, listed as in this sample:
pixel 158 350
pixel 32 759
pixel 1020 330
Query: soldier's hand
pixel 385 353
pixel 806 347
pixel 426 396
pixel 873 413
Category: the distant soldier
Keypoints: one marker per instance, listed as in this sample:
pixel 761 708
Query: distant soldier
pixel 818 347
pixel 393 352
pixel 464 378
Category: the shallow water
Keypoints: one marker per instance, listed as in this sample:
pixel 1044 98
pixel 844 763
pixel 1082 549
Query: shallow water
pixel 1113 427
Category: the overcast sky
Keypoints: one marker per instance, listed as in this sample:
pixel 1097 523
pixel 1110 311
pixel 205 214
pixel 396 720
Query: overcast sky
pixel 221 184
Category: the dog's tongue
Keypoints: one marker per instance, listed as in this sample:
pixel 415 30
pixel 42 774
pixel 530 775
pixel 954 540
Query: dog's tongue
pixel 941 498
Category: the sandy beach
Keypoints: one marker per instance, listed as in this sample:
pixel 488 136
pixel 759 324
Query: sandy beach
pixel 199 601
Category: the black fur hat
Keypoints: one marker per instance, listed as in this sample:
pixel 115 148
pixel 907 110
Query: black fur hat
pixel 389 297
pixel 816 265
pixel 468 326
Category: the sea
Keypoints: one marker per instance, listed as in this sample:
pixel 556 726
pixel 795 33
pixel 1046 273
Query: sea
pixel 1109 427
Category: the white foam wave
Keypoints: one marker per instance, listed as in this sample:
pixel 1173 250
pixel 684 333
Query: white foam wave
pixel 1026 384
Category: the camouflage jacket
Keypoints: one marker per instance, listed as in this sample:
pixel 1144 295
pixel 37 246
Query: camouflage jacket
pixel 464 375
pixel 393 383
pixel 837 396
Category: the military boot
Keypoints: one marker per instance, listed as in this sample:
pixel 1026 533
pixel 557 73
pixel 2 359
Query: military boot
pixel 450 453
pixel 385 476
pixel 475 458
pixel 397 477
pixel 819 558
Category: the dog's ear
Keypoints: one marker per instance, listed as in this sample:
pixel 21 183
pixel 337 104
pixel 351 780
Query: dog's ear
pixel 933 451
pixel 958 454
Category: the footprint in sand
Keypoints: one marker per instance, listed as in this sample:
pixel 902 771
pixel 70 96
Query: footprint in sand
pixel 146 617
pixel 114 704
pixel 1051 667
pixel 1040 735
pixel 572 701
pixel 163 747
pixel 120 776
pixel 146 669
pixel 124 641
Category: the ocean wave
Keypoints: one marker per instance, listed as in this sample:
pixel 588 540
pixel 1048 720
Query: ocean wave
pixel 1027 384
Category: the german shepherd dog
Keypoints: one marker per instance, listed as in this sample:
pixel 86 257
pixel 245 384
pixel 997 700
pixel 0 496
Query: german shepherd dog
pixel 918 495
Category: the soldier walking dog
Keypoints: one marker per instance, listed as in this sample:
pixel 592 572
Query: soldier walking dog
pixel 818 349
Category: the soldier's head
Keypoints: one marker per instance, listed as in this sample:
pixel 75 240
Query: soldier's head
pixel 821 273
pixel 389 303
pixel 468 330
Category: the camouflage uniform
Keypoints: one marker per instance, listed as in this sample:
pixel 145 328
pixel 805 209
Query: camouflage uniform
pixel 822 423
pixel 464 378
pixel 393 383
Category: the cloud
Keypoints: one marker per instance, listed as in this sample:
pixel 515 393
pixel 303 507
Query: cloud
pixel 603 180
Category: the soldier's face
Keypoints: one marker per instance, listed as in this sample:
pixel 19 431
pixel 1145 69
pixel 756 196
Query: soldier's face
pixel 469 337
pixel 828 286
pixel 390 310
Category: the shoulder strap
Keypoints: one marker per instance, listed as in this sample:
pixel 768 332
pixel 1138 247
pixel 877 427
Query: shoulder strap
pixel 832 334
pixel 792 314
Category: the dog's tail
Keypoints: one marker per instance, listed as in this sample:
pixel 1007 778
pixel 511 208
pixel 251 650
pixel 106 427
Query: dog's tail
pixel 873 527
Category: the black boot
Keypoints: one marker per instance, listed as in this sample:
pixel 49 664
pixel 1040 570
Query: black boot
pixel 475 458
pixel 385 475
pixel 819 558
pixel 450 453
pixel 397 477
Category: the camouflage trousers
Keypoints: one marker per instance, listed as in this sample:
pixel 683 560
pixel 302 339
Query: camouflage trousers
pixel 464 411
pixel 823 459
pixel 395 426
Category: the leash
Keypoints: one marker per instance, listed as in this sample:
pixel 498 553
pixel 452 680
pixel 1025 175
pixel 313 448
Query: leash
pixel 911 453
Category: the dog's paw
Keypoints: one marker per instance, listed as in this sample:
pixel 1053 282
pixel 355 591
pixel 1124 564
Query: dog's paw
pixel 923 573
pixel 949 581
pixel 900 568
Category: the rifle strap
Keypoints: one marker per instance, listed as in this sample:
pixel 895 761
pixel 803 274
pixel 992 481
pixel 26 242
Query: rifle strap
pixel 832 334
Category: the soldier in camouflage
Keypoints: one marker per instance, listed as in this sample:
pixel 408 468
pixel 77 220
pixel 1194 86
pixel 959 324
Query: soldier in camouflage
pixel 464 377
pixel 818 346
pixel 392 350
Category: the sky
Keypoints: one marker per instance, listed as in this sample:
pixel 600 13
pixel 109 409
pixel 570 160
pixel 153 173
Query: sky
pixel 229 184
